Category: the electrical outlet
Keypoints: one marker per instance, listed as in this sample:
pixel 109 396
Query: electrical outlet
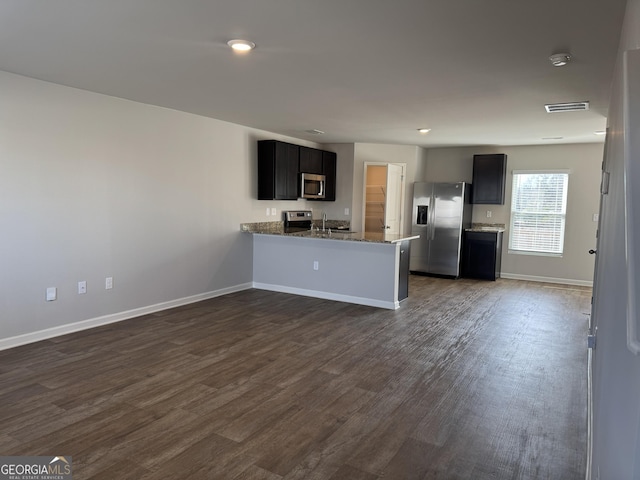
pixel 596 217
pixel 316 265
pixel 82 287
pixel 273 212
pixel 108 283
pixel 268 211
pixel 346 211
pixel 52 294
pixel 489 213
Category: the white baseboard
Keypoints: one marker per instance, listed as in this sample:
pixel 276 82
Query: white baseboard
pixel 370 302
pixel 31 337
pixel 533 278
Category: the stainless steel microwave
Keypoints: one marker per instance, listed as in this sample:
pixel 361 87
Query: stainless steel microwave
pixel 312 185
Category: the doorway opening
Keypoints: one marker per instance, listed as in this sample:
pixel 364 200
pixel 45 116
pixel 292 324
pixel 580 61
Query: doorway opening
pixel 383 202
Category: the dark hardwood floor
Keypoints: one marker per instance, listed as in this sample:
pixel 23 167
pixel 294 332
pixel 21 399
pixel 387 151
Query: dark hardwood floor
pixel 467 380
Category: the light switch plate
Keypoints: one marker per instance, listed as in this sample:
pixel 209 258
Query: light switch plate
pixel 52 294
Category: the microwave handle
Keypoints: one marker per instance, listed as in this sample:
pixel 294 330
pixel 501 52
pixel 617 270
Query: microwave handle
pixel 322 188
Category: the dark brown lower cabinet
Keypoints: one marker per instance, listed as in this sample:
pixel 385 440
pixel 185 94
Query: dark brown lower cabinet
pixel 403 283
pixel 482 254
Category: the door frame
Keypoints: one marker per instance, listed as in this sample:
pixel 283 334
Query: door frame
pixel 403 184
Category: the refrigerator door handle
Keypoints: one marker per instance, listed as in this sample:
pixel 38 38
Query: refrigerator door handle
pixel 429 219
pixel 432 222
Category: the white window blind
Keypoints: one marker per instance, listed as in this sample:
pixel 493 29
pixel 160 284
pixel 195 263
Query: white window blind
pixel 538 211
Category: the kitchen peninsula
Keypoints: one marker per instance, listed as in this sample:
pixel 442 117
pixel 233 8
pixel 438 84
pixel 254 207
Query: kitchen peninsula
pixel 364 268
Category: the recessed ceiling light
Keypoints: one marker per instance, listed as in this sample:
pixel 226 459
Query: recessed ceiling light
pixel 552 138
pixel 424 130
pixel 315 131
pixel 600 132
pixel 241 45
pixel 560 59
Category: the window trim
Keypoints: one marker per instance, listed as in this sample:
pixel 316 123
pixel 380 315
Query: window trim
pixel 514 251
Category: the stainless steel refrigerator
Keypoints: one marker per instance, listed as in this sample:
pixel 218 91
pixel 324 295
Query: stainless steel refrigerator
pixel 441 212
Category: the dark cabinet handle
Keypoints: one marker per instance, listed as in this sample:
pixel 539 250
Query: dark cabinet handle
pixel 592 251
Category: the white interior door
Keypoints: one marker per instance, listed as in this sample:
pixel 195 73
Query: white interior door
pixel 393 200
pixel 383 197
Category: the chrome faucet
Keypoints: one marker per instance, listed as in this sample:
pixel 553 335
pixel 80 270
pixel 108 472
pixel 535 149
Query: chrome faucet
pixel 324 220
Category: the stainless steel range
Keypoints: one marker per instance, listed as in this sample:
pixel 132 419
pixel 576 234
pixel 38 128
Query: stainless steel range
pixel 297 220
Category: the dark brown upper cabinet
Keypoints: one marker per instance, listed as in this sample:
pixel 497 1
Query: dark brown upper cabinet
pixel 280 165
pixel 277 170
pixel 489 175
pixel 310 160
pixel 329 166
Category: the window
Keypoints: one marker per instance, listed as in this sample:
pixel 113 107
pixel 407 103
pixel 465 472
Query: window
pixel 538 210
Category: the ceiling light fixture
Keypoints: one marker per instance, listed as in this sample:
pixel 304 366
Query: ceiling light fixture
pixel 600 132
pixel 315 131
pixel 241 45
pixel 560 59
pixel 424 130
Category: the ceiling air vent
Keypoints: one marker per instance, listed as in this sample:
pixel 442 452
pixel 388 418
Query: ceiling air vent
pixel 567 107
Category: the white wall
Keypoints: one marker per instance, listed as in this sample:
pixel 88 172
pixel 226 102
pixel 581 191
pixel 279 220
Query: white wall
pixel 616 371
pixel 582 160
pixel 94 186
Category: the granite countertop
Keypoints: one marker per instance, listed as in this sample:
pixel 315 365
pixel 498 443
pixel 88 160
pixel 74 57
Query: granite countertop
pixel 277 228
pixel 486 227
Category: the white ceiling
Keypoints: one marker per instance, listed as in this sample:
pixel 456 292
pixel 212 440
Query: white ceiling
pixel 474 71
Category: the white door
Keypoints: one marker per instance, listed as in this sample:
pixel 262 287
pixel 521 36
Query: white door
pixel 393 200
pixel 383 197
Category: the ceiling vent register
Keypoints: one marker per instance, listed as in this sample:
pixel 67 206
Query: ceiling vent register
pixel 567 107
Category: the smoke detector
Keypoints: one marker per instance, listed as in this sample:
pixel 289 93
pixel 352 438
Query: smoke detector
pixel 560 59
